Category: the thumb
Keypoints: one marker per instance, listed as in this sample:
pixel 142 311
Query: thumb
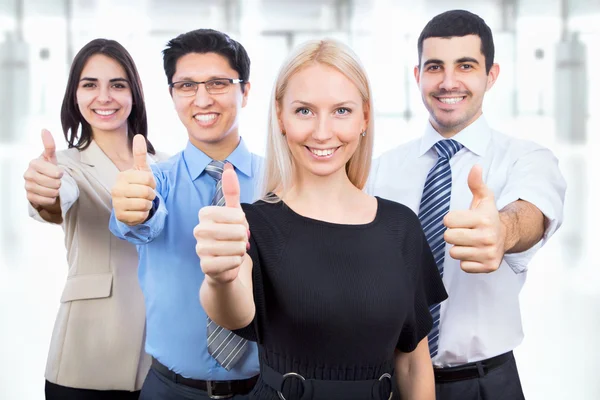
pixel 478 188
pixel 49 147
pixel 140 152
pixel 230 187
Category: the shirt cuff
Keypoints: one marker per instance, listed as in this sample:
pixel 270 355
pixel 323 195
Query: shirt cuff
pixel 68 194
pixel 145 232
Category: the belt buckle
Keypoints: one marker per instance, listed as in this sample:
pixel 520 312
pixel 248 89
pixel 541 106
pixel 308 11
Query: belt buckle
pixel 388 376
pixel 290 375
pixel 209 391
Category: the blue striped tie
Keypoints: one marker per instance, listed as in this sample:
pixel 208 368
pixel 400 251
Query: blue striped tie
pixel 435 204
pixel 225 346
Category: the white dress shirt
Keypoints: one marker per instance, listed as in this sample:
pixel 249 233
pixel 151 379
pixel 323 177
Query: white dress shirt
pixel 481 318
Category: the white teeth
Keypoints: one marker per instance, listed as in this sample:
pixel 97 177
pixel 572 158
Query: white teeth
pixel 205 117
pixel 322 153
pixel 450 100
pixel 105 112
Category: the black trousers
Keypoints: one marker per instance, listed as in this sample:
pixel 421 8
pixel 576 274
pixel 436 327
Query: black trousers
pixel 157 387
pixel 58 392
pixel 501 383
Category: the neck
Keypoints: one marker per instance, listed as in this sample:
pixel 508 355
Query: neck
pixel 114 144
pixel 218 150
pixel 320 192
pixel 450 131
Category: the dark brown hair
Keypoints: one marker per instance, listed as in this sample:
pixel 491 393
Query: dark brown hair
pixel 71 117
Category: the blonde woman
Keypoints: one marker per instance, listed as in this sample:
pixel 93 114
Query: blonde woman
pixel 332 283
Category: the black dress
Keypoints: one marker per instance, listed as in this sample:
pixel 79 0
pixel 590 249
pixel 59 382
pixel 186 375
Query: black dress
pixel 333 301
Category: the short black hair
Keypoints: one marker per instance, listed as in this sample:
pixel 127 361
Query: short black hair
pixel 207 41
pixel 458 23
pixel 70 116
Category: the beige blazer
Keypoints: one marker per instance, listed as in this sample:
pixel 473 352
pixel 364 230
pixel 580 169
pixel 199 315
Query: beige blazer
pixel 98 338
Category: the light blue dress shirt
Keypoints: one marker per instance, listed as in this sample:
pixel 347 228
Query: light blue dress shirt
pixel 169 268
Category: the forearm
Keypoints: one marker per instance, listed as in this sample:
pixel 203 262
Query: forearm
pixel 230 305
pixel 414 373
pixel 523 225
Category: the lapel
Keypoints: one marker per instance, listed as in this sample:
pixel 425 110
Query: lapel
pixel 101 167
pixel 97 164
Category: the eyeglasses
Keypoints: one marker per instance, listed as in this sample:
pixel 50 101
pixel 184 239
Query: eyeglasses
pixel 213 86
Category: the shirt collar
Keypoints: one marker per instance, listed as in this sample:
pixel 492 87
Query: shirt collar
pixel 474 137
pixel 196 160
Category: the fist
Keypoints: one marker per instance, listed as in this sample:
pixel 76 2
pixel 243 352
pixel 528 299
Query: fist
pixel 133 192
pixel 477 235
pixel 42 177
pixel 222 234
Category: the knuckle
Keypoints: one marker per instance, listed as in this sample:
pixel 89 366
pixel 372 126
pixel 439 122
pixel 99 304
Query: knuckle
pixel 204 213
pixel 238 260
pixel 486 220
pixel 241 248
pixel 200 230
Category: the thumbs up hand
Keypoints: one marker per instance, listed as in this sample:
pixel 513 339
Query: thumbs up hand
pixel 477 234
pixel 222 234
pixel 133 192
pixel 42 177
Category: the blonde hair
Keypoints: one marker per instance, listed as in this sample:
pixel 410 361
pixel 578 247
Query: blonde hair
pixel 279 163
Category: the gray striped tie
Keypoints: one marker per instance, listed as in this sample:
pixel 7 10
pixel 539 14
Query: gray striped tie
pixel 225 346
pixel 435 204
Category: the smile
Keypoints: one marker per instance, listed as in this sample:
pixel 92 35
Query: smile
pixel 322 153
pixel 451 100
pixel 105 113
pixel 206 120
pixel 205 117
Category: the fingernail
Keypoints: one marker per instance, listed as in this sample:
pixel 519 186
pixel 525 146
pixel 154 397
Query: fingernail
pixel 247 246
pixel 248 234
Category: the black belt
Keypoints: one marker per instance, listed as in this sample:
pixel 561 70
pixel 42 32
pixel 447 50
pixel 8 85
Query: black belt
pixel 215 389
pixel 318 389
pixel 473 370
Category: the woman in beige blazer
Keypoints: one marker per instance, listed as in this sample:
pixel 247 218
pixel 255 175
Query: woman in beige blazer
pixel 97 347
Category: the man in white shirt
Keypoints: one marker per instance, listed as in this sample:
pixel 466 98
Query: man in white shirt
pixel 482 235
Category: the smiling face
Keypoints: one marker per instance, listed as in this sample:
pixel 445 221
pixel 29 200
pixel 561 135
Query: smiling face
pixel 210 119
pixel 322 116
pixel 104 95
pixel 453 81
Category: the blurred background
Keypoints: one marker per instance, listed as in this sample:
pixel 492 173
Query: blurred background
pixel 547 51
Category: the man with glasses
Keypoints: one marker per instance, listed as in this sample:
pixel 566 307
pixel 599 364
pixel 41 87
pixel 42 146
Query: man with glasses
pixel 157 209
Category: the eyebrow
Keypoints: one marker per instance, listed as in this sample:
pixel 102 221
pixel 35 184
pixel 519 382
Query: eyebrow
pixel 189 79
pixel 305 103
pixel 85 78
pixel 459 61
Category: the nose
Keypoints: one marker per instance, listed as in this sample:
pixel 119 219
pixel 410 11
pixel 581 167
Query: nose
pixel 322 131
pixel 449 82
pixel 104 95
pixel 203 99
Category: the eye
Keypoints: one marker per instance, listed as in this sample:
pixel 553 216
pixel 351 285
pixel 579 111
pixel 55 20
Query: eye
pixel 433 68
pixel 303 111
pixel 119 86
pixel 343 111
pixel 466 66
pixel 88 85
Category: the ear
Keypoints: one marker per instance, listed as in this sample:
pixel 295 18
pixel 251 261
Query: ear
pixel 247 86
pixel 417 73
pixel 492 76
pixel 366 116
pixel 278 113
